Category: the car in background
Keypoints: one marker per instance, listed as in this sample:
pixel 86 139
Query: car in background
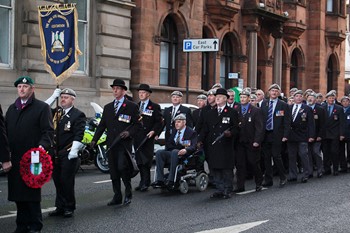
pixel 160 143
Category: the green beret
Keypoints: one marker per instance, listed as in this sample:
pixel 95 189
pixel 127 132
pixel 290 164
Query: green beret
pixel 24 80
pixel 69 91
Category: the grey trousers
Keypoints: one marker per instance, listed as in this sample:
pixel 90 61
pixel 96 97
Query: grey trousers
pixel 315 157
pixel 164 157
pixel 295 149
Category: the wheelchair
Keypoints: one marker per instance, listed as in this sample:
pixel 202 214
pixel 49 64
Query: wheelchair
pixel 189 172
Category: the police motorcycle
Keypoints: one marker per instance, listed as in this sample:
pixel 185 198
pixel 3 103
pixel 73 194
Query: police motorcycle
pixel 96 155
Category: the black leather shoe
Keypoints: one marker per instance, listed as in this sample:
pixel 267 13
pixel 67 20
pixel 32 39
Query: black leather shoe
pixel 158 184
pixel 267 184
pixel 326 173
pixel 336 173
pixel 127 200
pixel 68 213
pixel 292 179
pixel 170 185
pixel 311 176
pixel 238 190
pixel 258 188
pixel 144 188
pixel 56 212
pixel 304 180
pixel 217 195
pixel 283 183
pixel 114 202
pixel 226 195
pixel 138 188
pixel 319 175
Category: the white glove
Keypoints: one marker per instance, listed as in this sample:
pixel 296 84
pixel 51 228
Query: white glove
pixel 56 93
pixel 73 153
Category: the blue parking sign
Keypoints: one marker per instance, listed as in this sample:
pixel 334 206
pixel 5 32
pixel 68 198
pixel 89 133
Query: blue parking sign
pixel 188 45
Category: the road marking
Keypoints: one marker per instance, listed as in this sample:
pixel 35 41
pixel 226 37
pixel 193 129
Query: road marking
pixel 102 181
pixel 249 191
pixel 14 213
pixel 235 228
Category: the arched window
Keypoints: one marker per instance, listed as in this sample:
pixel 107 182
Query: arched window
pixel 168 53
pixel 294 70
pixel 226 61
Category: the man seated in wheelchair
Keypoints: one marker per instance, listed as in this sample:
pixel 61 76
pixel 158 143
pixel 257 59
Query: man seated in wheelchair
pixel 181 144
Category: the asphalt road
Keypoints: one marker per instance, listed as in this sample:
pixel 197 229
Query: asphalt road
pixel 321 205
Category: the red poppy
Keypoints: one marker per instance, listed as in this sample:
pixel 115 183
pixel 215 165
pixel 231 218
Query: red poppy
pixel 149 107
pixel 124 105
pixel 30 179
pixel 225 110
pixel 335 110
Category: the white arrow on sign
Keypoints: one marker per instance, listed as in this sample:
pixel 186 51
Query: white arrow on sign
pixel 201 45
pixel 235 228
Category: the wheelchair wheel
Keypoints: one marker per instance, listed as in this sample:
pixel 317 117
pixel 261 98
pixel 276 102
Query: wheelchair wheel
pixel 202 182
pixel 183 187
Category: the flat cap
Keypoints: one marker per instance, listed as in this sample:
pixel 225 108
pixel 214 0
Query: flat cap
pixel 178 93
pixel 201 97
pixel 24 80
pixel 313 94
pixel 245 92
pixel 69 91
pixel 300 92
pixel 212 92
pixel 331 93
pixel 319 95
pixel 247 89
pixel 253 96
pixel 222 91
pixel 275 86
pixel 293 89
pixel 216 85
pixel 180 117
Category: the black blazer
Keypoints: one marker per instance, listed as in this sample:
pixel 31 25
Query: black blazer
pixel 4 145
pixel 251 125
pixel 189 135
pixel 319 117
pixel 347 124
pixel 281 119
pixel 151 118
pixel 170 125
pixel 303 127
pixel 334 123
pixel 70 128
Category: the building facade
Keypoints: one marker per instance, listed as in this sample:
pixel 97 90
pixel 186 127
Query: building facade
pixel 296 43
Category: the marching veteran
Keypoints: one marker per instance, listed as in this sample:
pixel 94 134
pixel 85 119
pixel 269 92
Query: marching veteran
pixel 69 123
pixel 29 125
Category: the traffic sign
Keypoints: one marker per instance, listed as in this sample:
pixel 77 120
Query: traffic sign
pixel 201 45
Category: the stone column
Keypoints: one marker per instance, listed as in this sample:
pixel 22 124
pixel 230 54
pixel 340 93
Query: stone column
pixel 252 56
pixel 277 60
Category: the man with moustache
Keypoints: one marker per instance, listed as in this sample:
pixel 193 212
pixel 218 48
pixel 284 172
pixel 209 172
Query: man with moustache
pixel 69 124
pixel 121 120
pixel 151 124
pixel 29 125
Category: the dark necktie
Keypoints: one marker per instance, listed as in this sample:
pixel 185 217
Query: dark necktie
pixel 244 111
pixel 173 114
pixel 116 103
pixel 294 112
pixel 269 117
pixel 329 110
pixel 142 107
pixel 219 111
pixel 178 137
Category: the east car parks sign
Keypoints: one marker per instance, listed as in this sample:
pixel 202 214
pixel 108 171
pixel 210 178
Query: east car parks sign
pixel 201 45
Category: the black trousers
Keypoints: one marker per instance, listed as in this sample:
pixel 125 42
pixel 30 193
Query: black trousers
pixel 64 178
pixel 273 150
pixel 223 179
pixel 330 149
pixel 247 155
pixel 144 158
pixel 344 154
pixel 120 169
pixel 29 216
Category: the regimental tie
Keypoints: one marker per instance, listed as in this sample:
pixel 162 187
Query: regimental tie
pixel 116 104
pixel 142 107
pixel 219 111
pixel 244 111
pixel 177 140
pixel 329 110
pixel 269 117
pixel 173 114
pixel 295 110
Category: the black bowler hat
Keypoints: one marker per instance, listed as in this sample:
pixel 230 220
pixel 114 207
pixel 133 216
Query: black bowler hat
pixel 222 91
pixel 119 83
pixel 144 87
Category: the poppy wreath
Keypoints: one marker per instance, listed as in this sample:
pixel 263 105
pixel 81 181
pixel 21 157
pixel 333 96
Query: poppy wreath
pixel 36 175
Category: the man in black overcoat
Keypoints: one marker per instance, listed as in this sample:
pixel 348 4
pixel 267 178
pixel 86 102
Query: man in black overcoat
pixel 151 124
pixel 29 125
pixel 121 120
pixel 5 158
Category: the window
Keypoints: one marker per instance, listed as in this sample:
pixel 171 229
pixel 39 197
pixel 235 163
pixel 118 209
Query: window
pixel 6 34
pixel 168 53
pixel 294 70
pixel 83 9
pixel 226 62
pixel 330 6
